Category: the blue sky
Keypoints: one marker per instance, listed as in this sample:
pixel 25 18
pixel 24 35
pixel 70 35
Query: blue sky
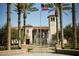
pixel 34 18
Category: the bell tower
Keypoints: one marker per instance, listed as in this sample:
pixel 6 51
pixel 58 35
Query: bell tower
pixel 52 28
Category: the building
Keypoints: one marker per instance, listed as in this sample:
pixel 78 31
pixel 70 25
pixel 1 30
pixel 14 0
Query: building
pixel 41 35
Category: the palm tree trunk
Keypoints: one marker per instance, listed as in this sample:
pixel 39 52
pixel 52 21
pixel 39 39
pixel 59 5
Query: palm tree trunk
pixel 74 26
pixel 8 26
pixel 57 34
pixel 19 30
pixel 25 6
pixel 61 26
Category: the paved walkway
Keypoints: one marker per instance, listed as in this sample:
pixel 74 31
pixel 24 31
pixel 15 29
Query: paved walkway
pixel 37 51
pixel 41 51
pixel 44 51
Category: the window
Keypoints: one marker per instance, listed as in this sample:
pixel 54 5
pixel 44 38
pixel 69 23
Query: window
pixel 52 19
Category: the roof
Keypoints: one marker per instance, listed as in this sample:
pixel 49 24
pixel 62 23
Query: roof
pixel 42 27
pixel 28 25
pixel 51 16
pixel 37 27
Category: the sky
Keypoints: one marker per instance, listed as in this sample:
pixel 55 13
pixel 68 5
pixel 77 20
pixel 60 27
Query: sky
pixel 35 17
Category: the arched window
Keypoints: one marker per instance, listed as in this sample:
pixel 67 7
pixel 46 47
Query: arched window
pixel 52 19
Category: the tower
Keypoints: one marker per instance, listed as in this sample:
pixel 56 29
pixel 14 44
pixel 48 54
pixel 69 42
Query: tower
pixel 51 29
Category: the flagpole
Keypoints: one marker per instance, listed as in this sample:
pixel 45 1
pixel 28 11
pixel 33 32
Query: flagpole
pixel 44 7
pixel 40 28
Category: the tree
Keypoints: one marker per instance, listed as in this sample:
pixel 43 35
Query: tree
pixel 14 33
pixel 57 34
pixel 28 8
pixel 74 27
pixel 19 10
pixel 19 29
pixel 68 33
pixel 3 35
pixel 25 8
pixel 58 10
pixel 8 26
pixel 78 35
pixel 61 25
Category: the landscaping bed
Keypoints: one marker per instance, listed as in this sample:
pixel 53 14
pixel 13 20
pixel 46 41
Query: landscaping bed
pixel 68 51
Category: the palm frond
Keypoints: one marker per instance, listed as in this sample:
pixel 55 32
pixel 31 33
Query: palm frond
pixel 28 12
pixel 66 4
pixel 33 9
pixel 56 5
pixel 29 5
pixel 50 10
pixel 65 13
pixel 16 7
pixel 50 5
pixel 67 8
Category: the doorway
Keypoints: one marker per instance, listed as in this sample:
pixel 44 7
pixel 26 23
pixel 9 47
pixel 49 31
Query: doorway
pixel 27 41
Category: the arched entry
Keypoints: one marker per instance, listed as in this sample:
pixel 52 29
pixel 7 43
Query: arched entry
pixel 27 41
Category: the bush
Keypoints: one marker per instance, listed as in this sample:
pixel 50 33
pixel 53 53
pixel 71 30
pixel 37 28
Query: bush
pixel 3 48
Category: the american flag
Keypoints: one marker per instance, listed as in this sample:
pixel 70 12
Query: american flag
pixel 44 7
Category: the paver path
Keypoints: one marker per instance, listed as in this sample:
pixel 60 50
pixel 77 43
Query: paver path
pixel 44 51
pixel 37 51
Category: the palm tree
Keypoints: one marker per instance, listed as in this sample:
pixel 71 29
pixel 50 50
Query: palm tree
pixel 28 8
pixel 74 26
pixel 61 25
pixel 25 7
pixel 19 29
pixel 19 10
pixel 58 10
pixel 57 34
pixel 8 26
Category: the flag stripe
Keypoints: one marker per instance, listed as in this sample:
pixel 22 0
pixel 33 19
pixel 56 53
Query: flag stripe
pixel 44 7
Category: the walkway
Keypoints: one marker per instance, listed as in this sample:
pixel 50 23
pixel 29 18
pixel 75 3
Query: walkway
pixel 44 51
pixel 36 51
